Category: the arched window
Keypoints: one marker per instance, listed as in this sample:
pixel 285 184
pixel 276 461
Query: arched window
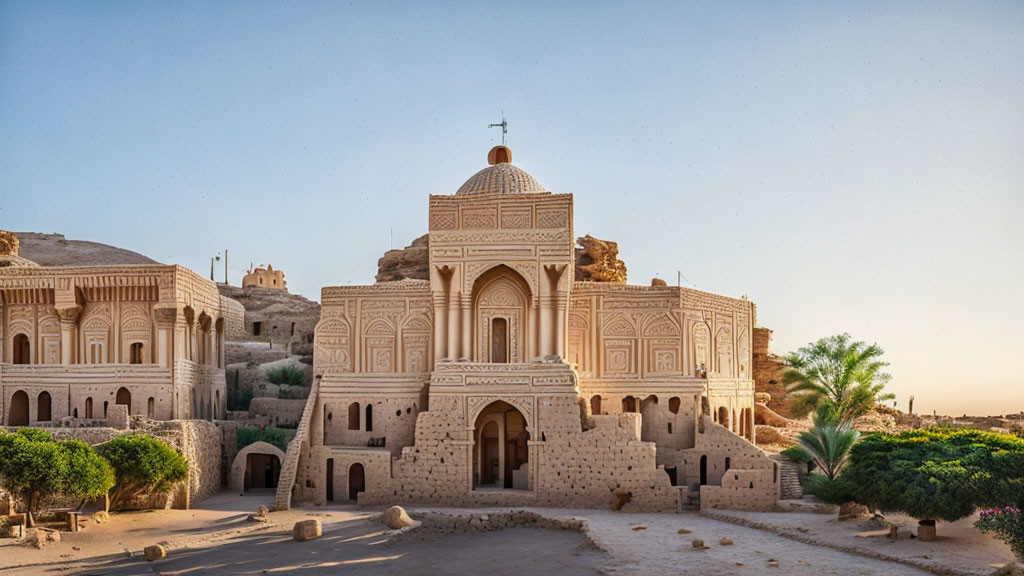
pixel 135 353
pixel 123 397
pixel 105 406
pixel 22 350
pixel 629 404
pixel 369 417
pixel 595 405
pixel 353 416
pixel 43 407
pixel 150 405
pixel 88 407
pixel 673 404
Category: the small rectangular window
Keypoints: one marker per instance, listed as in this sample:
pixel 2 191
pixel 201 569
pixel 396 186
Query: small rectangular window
pixel 256 328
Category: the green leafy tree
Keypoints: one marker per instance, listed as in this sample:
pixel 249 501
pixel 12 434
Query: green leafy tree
pixel 142 465
pixel 33 467
pixel 937 474
pixel 838 376
pixel 90 475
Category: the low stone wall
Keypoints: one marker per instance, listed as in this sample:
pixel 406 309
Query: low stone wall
pixel 280 412
pixel 438 523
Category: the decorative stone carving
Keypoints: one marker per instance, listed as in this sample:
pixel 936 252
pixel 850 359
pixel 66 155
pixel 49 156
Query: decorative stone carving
pixel 8 243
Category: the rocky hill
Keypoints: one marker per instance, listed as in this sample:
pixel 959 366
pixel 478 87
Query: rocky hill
pixel 56 250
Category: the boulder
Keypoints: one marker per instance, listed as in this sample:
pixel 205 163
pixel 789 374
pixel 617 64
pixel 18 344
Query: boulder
pixel 395 518
pixel 154 552
pixel 101 517
pixel 699 544
pixel 725 542
pixel 851 510
pixel 307 530
pixel 413 262
pixel 598 261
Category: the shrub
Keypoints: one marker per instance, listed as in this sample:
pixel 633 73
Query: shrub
pixel 1008 525
pixel 290 374
pixel 242 399
pixel 830 490
pixel 90 475
pixel 274 436
pixel 936 473
pixel 797 454
pixel 142 465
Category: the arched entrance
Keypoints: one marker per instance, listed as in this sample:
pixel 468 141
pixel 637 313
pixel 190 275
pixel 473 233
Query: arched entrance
pixel 44 406
pixel 356 481
pixel 18 415
pixel 500 450
pixel 723 416
pixel 22 350
pixel 124 397
pixel 256 466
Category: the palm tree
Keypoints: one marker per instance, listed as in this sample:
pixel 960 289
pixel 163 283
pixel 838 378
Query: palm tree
pixel 840 379
pixel 828 444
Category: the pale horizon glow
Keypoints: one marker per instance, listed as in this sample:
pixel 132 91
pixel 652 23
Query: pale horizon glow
pixel 849 168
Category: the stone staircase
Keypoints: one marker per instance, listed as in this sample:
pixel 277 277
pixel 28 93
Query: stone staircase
pixel 290 466
pixel 789 478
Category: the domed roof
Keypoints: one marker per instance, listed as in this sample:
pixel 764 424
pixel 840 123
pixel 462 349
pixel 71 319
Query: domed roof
pixel 501 177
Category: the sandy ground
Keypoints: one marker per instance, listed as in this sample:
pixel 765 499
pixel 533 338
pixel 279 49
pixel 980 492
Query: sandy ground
pixel 216 538
pixel 959 546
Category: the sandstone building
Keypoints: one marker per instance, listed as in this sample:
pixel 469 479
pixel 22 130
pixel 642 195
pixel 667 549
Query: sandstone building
pixel 76 340
pixel 504 379
pixel 265 278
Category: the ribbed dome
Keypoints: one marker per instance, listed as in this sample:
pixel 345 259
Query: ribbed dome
pixel 501 178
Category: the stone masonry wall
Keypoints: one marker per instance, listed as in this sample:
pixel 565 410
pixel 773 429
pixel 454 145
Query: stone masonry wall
pixel 768 372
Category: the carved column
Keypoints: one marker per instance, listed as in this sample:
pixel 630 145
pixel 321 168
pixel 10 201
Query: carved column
pixel 454 325
pixel 467 326
pixel 553 330
pixel 440 326
pixel 560 335
pixel 545 326
pixel 165 331
pixel 68 329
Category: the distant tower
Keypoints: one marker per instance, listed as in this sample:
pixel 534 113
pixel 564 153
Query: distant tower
pixel 265 278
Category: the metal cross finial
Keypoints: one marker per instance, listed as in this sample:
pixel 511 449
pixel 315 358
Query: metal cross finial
pixel 503 125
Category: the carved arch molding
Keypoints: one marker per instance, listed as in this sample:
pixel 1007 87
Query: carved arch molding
pixel 476 404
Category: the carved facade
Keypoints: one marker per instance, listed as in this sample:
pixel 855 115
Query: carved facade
pixel 76 340
pixel 502 380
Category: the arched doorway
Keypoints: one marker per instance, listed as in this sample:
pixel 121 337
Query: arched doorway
pixel 356 481
pixel 18 415
pixel 330 479
pixel 703 470
pixel 501 451
pixel 124 397
pixel 22 349
pixel 256 466
pixel 88 407
pixel 723 416
pixel 44 406
pixel 595 405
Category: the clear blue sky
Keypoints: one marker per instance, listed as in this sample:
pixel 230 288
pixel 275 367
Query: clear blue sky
pixel 849 167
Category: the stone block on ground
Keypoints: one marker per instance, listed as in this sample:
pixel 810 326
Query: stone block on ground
pixel 396 517
pixel 851 510
pixel 154 552
pixel 307 530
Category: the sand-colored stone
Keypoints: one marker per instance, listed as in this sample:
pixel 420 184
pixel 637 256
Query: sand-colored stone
pixel 307 530
pixel 395 517
pixel 598 261
pixel 154 552
pixel 265 278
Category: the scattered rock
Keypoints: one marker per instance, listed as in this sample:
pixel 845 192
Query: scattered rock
pixel 850 510
pixel 307 530
pixel 683 531
pixel 395 517
pixel 773 564
pixel 876 522
pixel 699 544
pixel 635 528
pixel 739 563
pixel 263 511
pixel 725 542
pixel 1011 569
pixel 154 552
pixel 101 517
